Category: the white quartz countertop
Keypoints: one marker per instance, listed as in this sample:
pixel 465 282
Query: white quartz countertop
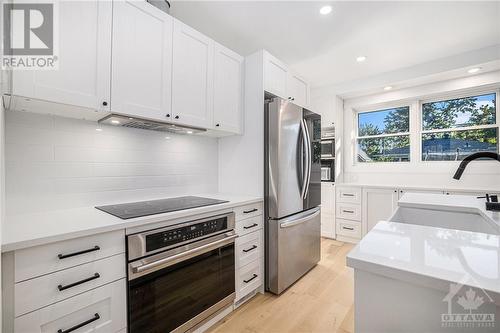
pixel 27 230
pixel 430 256
pixel 422 187
pixel 433 256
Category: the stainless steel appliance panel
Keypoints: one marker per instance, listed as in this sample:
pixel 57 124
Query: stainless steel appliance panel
pixel 295 248
pixel 287 165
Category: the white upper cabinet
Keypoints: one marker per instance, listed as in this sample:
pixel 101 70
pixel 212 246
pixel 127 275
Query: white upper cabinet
pixel 298 89
pixel 142 60
pixel 281 81
pixel 275 76
pixel 228 90
pixel 83 76
pixel 192 77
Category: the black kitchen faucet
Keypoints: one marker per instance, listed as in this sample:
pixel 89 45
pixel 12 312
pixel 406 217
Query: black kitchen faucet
pixel 491 200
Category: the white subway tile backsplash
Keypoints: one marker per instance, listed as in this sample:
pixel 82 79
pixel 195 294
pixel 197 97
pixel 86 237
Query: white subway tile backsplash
pixel 57 163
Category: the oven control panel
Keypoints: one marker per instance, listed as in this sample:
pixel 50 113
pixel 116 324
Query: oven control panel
pixel 174 236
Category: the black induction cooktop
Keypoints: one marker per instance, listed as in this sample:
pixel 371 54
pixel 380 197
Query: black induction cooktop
pixel 131 210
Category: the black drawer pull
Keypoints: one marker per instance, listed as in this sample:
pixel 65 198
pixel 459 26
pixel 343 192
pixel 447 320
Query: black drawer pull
pixel 252 278
pixel 74 328
pixel 348 211
pixel 61 287
pixel 250 226
pixel 64 256
pixel 348 228
pixel 250 211
pixel 347 194
pixel 250 249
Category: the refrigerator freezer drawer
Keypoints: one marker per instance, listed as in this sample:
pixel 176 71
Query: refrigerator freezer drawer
pixel 294 248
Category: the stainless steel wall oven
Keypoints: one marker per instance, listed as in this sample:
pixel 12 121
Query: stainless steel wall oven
pixel 180 276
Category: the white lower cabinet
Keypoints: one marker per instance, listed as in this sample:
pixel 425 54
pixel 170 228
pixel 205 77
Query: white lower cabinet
pixel 378 205
pixel 249 252
pixel 101 310
pixel 346 228
pixel 51 288
pixel 327 210
pixel 248 279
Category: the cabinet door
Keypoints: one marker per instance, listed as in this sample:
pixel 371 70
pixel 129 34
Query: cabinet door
pixel 298 90
pixel 275 76
pixel 83 76
pixel 142 60
pixel 402 192
pixel 378 205
pixel 327 198
pixel 228 89
pixel 192 80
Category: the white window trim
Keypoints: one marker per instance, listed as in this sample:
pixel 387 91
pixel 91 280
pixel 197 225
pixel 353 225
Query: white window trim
pixel 454 95
pixel 383 107
pixel 416 131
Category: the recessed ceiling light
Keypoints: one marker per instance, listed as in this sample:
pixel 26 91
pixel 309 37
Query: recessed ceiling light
pixel 98 129
pixel 189 132
pixel 474 70
pixel 325 10
pixel 387 88
pixel 115 121
pixel 360 58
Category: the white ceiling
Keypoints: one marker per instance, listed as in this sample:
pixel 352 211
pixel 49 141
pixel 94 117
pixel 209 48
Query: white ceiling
pixel 392 35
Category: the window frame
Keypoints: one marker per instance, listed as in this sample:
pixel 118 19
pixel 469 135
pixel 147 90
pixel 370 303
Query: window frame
pixel 376 108
pixel 448 96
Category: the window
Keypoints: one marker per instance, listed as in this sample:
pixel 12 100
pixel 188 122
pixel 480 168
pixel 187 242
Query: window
pixel 383 135
pixel 455 128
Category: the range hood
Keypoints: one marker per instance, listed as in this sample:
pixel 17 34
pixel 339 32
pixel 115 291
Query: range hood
pixel 148 124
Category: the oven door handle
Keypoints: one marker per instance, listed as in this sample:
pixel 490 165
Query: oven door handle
pixel 145 265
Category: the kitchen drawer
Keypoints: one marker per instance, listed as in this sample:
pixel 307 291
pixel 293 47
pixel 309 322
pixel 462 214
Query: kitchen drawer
pixel 349 211
pixel 36 293
pixel 106 304
pixel 348 194
pixel 348 228
pixel 249 248
pixel 44 259
pixel 244 212
pixel 246 226
pixel 248 278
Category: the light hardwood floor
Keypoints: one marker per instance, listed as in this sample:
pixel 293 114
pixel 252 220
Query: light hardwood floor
pixel 322 301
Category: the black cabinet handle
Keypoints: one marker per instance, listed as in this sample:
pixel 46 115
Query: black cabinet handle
pixel 86 322
pixel 348 211
pixel 167 115
pixel 63 256
pixel 252 278
pixel 250 249
pixel 250 226
pixel 250 211
pixel 347 194
pixel 176 117
pixel 105 103
pixel 74 284
pixel 348 228
pixel 217 125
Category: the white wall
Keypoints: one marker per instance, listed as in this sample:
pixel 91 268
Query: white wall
pixel 479 174
pixel 54 162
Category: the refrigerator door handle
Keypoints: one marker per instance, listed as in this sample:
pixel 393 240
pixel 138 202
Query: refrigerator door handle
pixel 305 171
pixel 302 219
pixel 308 159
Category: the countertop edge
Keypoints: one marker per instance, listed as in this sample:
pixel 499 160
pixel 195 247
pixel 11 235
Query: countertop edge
pixel 120 225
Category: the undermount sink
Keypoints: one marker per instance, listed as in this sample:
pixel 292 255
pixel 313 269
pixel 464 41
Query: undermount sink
pixel 443 219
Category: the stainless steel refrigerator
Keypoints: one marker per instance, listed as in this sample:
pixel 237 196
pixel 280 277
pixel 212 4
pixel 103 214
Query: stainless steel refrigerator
pixel 292 185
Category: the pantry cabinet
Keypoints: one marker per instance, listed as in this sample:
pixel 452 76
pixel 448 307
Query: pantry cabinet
pixel 328 210
pixel 142 60
pixel 192 76
pixel 281 81
pixel 228 90
pixel 82 78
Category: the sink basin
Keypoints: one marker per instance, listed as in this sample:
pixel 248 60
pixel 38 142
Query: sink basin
pixel 443 219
